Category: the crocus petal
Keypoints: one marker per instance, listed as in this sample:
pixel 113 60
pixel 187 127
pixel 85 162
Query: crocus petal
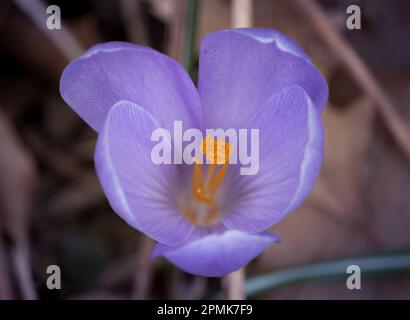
pixel 240 69
pixel 142 193
pixel 216 255
pixel 273 36
pixel 290 156
pixel 115 71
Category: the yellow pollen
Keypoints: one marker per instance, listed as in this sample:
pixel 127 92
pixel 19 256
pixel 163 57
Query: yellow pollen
pixel 203 210
pixel 217 151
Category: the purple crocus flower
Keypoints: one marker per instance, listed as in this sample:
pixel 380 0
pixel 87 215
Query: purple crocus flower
pixel 248 78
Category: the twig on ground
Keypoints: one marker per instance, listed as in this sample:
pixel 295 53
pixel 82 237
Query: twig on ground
pixel 143 270
pixel 177 30
pixel 19 176
pixel 133 20
pixel 21 258
pixel 6 292
pixel 359 70
pixel 241 14
pixel 63 38
pixel 235 285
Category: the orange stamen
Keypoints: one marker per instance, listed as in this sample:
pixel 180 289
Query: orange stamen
pixel 204 190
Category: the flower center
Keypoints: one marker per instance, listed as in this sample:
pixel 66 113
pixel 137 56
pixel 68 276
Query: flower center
pixel 204 210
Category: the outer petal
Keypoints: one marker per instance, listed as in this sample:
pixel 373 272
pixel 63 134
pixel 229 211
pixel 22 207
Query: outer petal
pixel 240 69
pixel 115 71
pixel 279 39
pixel 216 255
pixel 141 192
pixel 290 156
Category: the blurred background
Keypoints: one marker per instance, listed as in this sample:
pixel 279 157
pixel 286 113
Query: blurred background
pixel 53 211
